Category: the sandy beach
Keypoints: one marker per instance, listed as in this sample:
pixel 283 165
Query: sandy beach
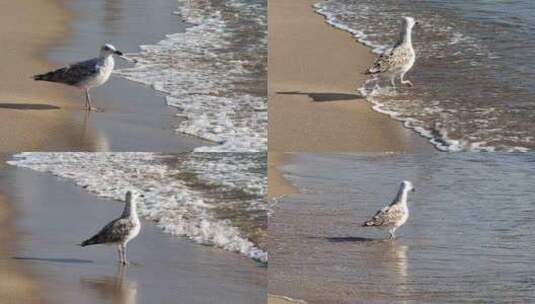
pixel 54 216
pixel 133 118
pixel 38 251
pixel 313 77
pixel 25 107
pixel 314 73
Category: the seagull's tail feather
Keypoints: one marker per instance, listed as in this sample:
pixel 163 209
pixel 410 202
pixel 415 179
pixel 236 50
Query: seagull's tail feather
pixel 43 77
pixel 58 75
pixel 38 77
pixel 92 241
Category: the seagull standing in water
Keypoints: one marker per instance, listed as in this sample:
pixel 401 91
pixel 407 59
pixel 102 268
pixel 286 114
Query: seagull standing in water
pixel 394 215
pixel 119 231
pixel 86 74
pixel 398 60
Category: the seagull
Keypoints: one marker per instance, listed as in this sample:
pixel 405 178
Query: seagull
pixel 394 215
pixel 119 231
pixel 86 74
pixel 398 60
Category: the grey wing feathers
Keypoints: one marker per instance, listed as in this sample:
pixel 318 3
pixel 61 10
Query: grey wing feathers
pixel 113 232
pixel 380 65
pixel 384 217
pixel 395 57
pixel 72 74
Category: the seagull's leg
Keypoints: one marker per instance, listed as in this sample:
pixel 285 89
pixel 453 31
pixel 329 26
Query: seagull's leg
pixel 393 81
pixel 120 253
pixel 392 235
pixel 125 262
pixel 87 100
pixel 407 82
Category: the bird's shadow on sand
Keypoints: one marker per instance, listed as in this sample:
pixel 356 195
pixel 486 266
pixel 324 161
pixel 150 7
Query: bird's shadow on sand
pixel 28 106
pixel 54 260
pixel 324 97
pixel 346 239
pixel 351 239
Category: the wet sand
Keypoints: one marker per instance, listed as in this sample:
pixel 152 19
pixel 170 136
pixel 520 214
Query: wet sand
pixel 134 117
pixel 313 77
pixel 16 282
pixel 54 216
pixel 467 239
pixel 277 185
pixel 33 116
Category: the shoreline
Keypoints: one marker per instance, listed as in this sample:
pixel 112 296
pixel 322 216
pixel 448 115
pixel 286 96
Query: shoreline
pixel 179 270
pixel 22 106
pixel 311 99
pixel 22 110
pixel 278 185
pixel 135 117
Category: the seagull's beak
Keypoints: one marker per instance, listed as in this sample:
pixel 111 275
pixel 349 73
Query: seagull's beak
pixel 413 190
pixel 417 23
pixel 120 54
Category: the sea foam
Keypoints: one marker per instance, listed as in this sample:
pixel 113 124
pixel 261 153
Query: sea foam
pixel 214 73
pixel 176 198
pixel 454 113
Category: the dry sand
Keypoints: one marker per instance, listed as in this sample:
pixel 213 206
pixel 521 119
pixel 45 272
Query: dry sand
pixel 314 72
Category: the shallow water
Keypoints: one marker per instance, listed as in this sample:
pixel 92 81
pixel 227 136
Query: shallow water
pixel 474 71
pixel 213 71
pixel 53 216
pixel 215 199
pixel 206 60
pixel 134 117
pixel 469 238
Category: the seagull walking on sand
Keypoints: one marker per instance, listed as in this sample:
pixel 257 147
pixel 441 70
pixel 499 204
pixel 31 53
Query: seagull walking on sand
pixel 119 231
pixel 86 74
pixel 398 60
pixel 394 215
